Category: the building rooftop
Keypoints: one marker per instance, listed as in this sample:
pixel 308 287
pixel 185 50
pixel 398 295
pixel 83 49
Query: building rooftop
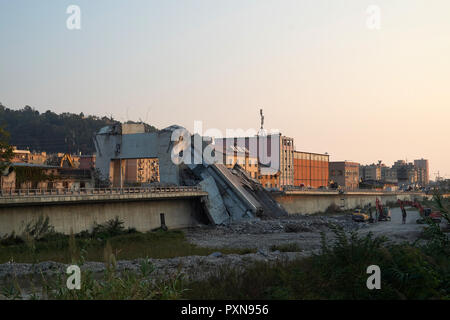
pixel 34 165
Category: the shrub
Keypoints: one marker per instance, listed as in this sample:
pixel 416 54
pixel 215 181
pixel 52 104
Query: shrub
pixel 113 227
pixel 11 240
pixel 289 247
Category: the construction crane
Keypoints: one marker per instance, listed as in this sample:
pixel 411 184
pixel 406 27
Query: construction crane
pixel 424 212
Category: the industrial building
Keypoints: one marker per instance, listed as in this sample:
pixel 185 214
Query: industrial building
pixel 345 174
pixel 311 169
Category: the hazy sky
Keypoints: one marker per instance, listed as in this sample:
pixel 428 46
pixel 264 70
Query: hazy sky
pixel 318 72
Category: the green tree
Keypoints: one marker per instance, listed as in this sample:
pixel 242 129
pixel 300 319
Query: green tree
pixel 51 132
pixel 6 151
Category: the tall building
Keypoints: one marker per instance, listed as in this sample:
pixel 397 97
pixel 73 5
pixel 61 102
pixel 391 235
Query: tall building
pixel 423 172
pixel 345 174
pixel 311 169
pixel 287 161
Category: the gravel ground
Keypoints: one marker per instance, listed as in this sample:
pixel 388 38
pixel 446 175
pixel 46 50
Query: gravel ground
pixel 303 230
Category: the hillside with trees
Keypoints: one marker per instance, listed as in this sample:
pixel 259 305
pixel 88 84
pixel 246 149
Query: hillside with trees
pixel 51 132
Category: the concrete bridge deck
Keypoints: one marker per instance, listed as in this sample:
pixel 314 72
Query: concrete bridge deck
pixel 48 197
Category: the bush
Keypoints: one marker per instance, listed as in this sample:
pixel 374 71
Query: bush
pixel 11 240
pixel 111 228
pixel 290 247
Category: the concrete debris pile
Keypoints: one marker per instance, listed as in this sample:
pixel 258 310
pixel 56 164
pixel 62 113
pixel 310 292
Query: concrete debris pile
pixel 292 225
pixel 233 195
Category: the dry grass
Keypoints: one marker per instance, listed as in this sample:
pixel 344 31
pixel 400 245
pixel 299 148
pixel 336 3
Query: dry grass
pixel 159 245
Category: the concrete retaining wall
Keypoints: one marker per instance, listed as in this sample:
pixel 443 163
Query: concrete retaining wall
pixel 310 203
pixel 142 215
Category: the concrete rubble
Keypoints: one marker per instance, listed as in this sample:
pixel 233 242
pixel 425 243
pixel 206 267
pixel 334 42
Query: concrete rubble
pixel 234 196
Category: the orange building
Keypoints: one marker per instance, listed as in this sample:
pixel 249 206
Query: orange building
pixel 311 169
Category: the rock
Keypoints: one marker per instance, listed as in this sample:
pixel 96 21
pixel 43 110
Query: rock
pixel 216 254
pixel 262 252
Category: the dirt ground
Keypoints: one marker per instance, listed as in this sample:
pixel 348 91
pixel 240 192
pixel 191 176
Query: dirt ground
pixel 303 230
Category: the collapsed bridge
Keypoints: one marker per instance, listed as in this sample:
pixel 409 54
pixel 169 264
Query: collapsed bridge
pixel 185 195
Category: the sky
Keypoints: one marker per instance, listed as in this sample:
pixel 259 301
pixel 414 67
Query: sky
pixel 320 74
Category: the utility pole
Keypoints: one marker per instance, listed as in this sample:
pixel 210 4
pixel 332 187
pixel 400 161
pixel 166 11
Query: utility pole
pixel 438 178
pixel 262 119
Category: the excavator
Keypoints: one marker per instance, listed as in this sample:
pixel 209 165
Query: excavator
pixel 384 213
pixel 67 157
pixel 362 215
pixel 424 212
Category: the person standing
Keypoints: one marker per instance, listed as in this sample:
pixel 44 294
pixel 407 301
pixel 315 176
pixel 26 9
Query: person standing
pixel 370 214
pixel 403 215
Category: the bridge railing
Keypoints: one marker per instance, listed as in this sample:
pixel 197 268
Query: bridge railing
pixel 299 189
pixel 94 191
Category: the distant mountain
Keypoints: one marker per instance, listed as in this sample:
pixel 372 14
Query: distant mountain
pixel 51 132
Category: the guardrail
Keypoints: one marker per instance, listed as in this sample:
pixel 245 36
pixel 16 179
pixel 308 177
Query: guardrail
pixel 93 191
pixel 287 189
